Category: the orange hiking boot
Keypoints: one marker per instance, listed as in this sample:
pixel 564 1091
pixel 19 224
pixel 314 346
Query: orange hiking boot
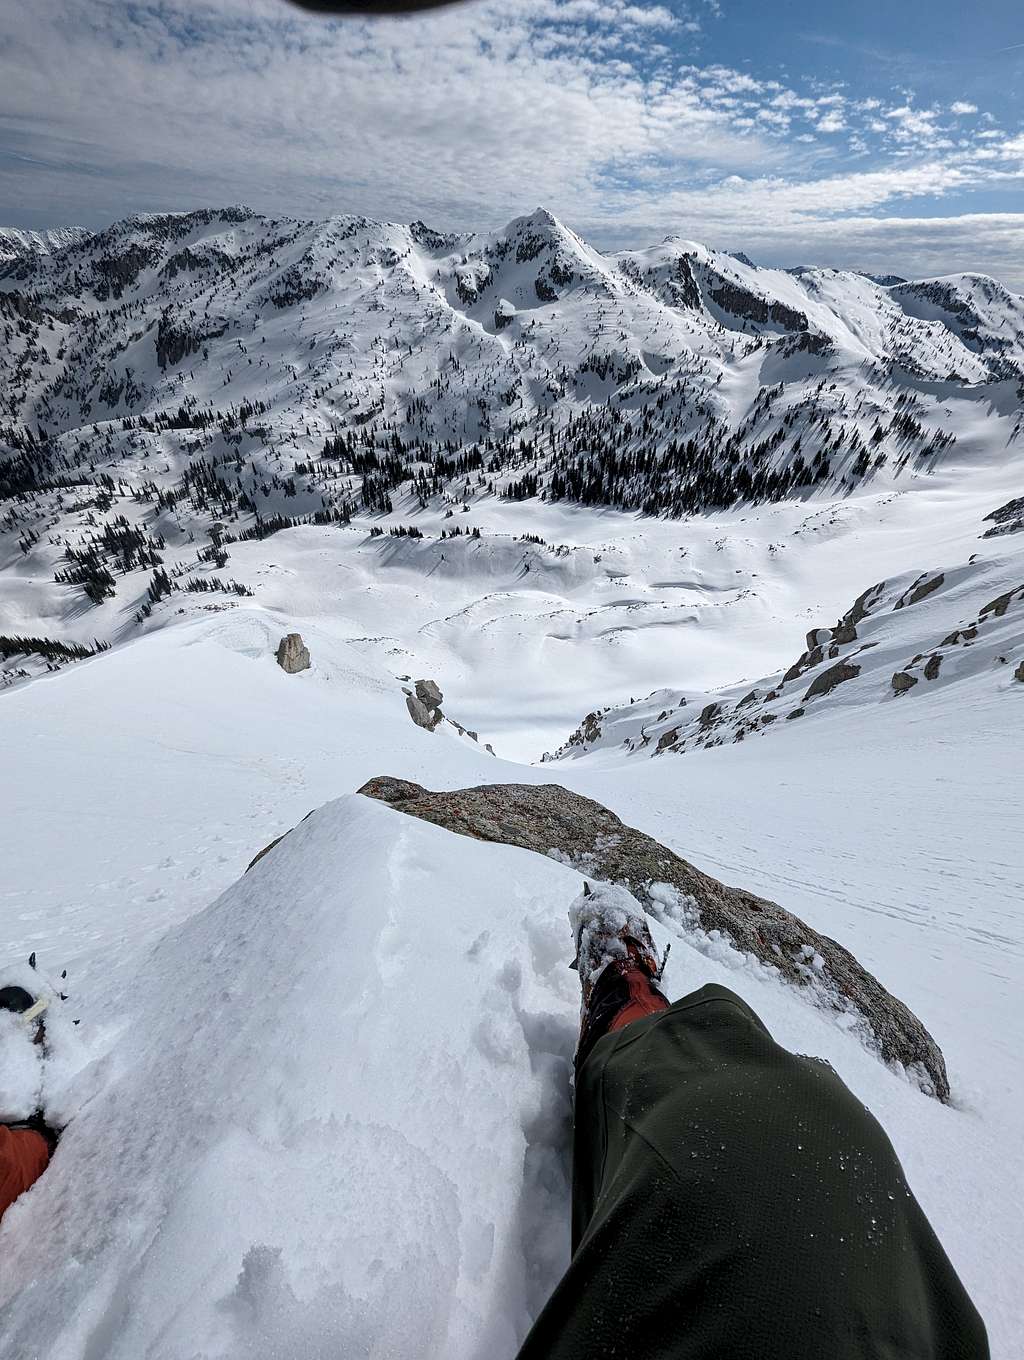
pixel 617 962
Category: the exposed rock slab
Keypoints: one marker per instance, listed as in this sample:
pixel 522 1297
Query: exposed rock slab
pixel 921 589
pixel 1008 519
pixel 421 715
pixel 428 693
pixel 835 675
pixel 293 654
pixel 549 818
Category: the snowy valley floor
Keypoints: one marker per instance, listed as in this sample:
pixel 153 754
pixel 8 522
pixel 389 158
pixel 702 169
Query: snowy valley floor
pixel 326 1112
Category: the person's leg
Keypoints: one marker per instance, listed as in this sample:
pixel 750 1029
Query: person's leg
pixel 731 1198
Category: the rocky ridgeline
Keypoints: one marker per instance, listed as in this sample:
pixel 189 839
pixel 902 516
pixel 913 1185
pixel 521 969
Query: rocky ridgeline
pixel 178 371
pixel 861 660
pixel 554 821
pixel 1008 519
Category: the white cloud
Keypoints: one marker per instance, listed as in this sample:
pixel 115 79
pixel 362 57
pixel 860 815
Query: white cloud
pixel 832 122
pixel 960 106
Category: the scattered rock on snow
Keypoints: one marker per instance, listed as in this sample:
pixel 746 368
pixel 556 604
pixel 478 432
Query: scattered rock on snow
pixel 835 675
pixel 902 681
pixel 1019 673
pixel 293 654
pixel 920 590
pixel 931 670
pixel 548 817
pixel 844 632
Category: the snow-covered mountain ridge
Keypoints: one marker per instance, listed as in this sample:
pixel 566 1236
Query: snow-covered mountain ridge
pixel 16 243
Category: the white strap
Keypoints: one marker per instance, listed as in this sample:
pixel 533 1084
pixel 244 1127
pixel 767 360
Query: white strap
pixel 35 1011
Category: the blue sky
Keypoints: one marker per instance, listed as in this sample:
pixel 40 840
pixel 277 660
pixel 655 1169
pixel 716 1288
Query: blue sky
pixel 881 136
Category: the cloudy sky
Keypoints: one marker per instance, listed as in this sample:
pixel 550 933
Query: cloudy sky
pixel 799 131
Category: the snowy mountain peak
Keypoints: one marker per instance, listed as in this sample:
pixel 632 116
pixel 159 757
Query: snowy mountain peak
pixel 544 227
pixel 540 217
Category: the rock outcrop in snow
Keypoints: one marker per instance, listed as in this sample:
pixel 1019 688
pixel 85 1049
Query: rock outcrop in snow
pixel 894 641
pixel 293 654
pixel 425 704
pixel 553 820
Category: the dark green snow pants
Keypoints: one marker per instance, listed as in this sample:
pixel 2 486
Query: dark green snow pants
pixel 733 1200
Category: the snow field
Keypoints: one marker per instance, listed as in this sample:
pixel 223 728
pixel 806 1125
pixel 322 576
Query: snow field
pixel 321 1110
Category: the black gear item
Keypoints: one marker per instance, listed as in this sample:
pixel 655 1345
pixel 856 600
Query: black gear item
pixel 16 999
pixel 378 8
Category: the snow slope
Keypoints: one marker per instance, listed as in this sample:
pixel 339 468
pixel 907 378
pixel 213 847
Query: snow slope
pixel 329 1109
pixel 966 631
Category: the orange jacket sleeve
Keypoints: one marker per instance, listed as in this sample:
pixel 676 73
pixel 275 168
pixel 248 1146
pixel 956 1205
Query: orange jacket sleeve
pixel 24 1156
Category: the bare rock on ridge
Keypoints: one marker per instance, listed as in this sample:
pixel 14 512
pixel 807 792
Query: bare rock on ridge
pixel 428 693
pixel 425 705
pixel 548 817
